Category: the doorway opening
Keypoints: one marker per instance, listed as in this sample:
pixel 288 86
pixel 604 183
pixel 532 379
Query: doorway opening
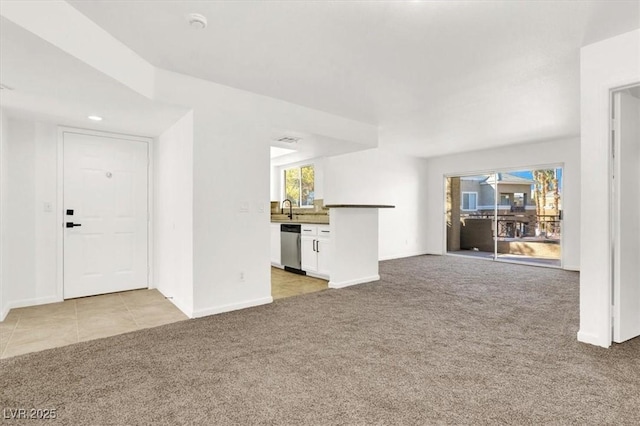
pixel 625 212
pixel 509 215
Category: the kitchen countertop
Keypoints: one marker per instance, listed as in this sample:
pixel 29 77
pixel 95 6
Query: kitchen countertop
pixel 312 219
pixel 298 221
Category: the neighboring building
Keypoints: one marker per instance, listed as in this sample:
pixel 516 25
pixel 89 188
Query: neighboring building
pixel 479 193
pixel 517 212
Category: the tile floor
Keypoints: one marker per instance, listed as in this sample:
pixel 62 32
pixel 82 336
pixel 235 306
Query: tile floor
pixel 43 327
pixel 287 284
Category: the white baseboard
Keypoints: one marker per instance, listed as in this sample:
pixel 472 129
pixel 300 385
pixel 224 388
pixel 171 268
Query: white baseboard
pixel 313 274
pixel 403 255
pixel 187 310
pixel 231 307
pixel 592 339
pixel 27 302
pixel 277 265
pixel 333 284
pixel 571 268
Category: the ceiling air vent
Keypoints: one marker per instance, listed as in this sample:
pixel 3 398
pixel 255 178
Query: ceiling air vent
pixel 288 139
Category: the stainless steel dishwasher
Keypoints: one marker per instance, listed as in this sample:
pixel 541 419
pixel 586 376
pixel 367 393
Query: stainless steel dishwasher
pixel 290 245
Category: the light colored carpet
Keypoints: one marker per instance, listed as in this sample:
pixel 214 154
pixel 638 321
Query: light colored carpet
pixel 436 340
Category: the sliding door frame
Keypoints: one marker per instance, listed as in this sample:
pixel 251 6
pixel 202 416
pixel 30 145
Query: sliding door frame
pixel 495 171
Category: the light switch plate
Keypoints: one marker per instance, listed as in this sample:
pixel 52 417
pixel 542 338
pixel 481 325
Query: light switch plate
pixel 48 207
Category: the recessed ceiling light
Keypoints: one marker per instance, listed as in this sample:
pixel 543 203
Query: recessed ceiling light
pixel 95 118
pixel 197 21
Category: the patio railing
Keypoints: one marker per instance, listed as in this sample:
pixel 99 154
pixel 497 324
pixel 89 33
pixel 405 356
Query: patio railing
pixel 519 225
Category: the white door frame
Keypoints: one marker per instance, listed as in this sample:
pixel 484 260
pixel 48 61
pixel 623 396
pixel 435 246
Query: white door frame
pixel 613 209
pixel 559 164
pixel 60 200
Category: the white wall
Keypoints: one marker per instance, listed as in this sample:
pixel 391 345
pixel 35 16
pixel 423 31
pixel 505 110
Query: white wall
pixel 232 130
pixel 604 65
pixel 231 213
pixel 230 196
pixel 3 190
pixel 231 189
pixel 29 233
pixel 274 184
pixel 354 251
pixel 29 255
pixel 565 151
pixel 173 214
pixel 377 176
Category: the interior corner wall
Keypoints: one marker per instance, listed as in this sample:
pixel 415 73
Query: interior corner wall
pixel 565 151
pixel 29 180
pixel 605 65
pixel 231 190
pixel 231 213
pixel 231 168
pixel 173 214
pixel 377 176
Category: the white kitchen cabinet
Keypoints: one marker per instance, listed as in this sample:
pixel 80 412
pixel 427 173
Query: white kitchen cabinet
pixel 309 255
pixel 308 230
pixel 322 250
pixel 275 244
pixel 315 250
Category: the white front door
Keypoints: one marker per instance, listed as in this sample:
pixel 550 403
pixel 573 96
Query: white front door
pixel 626 216
pixel 105 214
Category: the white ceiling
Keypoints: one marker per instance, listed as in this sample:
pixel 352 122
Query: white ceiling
pixel 308 146
pixel 635 91
pixel 436 76
pixel 52 86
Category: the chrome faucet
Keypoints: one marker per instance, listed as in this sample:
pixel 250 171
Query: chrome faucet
pixel 290 208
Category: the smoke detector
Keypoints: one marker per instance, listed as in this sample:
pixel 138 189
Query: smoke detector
pixel 197 21
pixel 288 139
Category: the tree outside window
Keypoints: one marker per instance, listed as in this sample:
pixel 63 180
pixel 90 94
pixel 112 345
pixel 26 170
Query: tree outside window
pixel 299 185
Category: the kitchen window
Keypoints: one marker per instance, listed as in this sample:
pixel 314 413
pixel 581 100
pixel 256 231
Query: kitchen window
pixel 470 201
pixel 299 185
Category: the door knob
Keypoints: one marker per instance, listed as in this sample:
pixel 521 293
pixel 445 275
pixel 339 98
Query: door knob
pixel 72 225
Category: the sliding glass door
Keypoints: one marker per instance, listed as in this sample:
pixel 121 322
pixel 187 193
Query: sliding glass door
pixel 471 216
pixel 512 216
